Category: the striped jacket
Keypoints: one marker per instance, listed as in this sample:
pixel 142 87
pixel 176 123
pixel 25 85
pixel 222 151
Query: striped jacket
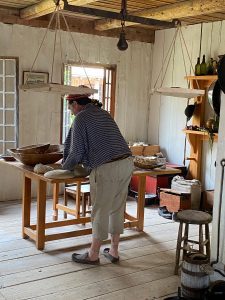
pixel 94 139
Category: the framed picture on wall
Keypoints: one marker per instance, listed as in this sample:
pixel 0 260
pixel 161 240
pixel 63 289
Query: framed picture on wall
pixel 35 77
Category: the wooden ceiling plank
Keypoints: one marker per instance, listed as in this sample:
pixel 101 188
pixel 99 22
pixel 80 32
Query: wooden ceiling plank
pixel 46 7
pixel 169 12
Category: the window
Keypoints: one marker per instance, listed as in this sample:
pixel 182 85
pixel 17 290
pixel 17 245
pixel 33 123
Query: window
pixel 8 103
pixel 101 78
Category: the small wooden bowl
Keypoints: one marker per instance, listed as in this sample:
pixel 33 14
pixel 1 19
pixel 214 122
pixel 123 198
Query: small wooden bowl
pixel 7 157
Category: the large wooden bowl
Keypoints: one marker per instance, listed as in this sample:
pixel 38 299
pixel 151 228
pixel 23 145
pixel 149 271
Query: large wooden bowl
pixel 36 158
pixel 55 148
pixel 31 149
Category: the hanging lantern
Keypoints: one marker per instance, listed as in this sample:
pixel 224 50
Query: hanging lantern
pixel 122 44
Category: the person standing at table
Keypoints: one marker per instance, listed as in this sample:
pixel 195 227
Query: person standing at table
pixel 96 141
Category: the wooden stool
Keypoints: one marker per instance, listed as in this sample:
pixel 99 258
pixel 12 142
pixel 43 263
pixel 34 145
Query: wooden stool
pixel 84 194
pixel 196 217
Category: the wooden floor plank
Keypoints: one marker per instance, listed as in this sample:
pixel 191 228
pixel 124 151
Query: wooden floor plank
pixel 125 287
pixel 147 291
pixel 63 268
pixel 145 270
pixel 94 281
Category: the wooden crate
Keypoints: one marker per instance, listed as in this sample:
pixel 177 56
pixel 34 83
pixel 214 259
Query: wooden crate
pixel 137 150
pixel 174 201
pixel 151 150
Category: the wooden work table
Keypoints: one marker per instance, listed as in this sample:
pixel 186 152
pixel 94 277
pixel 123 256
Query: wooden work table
pixel 37 231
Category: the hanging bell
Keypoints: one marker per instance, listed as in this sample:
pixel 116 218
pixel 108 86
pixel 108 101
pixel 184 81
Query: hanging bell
pixel 122 44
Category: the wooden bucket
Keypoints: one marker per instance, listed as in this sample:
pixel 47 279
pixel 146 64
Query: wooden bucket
pixel 194 276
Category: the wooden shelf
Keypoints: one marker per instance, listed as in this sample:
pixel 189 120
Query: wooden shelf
pixel 204 134
pixel 195 137
pixel 202 77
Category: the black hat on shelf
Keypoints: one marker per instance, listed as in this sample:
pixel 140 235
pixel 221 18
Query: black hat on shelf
pixel 189 111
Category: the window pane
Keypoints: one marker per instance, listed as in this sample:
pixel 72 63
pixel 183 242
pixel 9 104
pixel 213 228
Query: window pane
pixel 110 74
pixel 1 100
pixel 1 84
pixel 9 100
pixel 1 116
pixel 9 133
pixel 1 132
pixel 9 84
pixel 1 66
pixel 1 148
pixel 9 117
pixel 10 67
pixel 9 145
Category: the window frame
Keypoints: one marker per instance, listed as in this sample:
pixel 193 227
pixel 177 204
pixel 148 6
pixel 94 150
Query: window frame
pixel 112 68
pixel 16 98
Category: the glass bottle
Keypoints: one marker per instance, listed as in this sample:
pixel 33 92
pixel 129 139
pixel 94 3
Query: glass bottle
pixel 198 67
pixel 210 67
pixel 203 66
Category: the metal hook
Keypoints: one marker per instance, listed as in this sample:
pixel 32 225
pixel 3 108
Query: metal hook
pixel 176 22
pixel 222 162
pixel 57 2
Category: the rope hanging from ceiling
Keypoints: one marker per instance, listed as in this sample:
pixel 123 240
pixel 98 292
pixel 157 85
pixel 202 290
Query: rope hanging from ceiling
pixel 60 88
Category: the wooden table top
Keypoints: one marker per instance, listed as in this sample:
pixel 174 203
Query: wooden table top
pixel 29 171
pixel 136 172
pixel 156 172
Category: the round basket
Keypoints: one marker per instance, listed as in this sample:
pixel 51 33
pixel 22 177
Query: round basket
pixel 31 149
pixel 146 166
pixel 36 158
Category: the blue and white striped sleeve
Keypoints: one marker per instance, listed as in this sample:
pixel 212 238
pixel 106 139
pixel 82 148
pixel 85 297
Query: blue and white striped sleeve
pixel 77 145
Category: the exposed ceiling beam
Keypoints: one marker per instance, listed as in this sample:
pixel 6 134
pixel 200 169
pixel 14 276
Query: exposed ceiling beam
pixel 169 12
pixel 46 7
pixel 117 16
pixel 83 26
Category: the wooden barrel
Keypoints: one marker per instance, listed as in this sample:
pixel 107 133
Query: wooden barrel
pixel 194 276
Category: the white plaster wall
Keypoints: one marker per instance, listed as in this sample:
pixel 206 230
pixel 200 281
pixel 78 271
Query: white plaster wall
pixel 166 114
pixel 39 113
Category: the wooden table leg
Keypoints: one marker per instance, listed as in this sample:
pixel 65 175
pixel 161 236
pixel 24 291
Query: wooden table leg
pixel 55 201
pixel 141 202
pixel 78 194
pixel 41 209
pixel 26 204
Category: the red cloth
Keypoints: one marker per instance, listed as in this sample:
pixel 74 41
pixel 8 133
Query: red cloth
pixel 73 97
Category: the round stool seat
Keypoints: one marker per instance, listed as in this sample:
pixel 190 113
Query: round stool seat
pixel 194 217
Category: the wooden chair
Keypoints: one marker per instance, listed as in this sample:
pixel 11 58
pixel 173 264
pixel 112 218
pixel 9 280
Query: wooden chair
pixel 84 197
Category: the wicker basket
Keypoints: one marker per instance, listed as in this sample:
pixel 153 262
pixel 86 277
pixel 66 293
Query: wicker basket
pixel 146 166
pixel 36 158
pixel 31 149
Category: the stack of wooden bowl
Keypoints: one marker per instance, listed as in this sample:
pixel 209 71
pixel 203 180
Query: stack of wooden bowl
pixel 35 154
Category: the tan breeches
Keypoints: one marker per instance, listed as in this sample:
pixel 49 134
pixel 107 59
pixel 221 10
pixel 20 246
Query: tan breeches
pixel 109 188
